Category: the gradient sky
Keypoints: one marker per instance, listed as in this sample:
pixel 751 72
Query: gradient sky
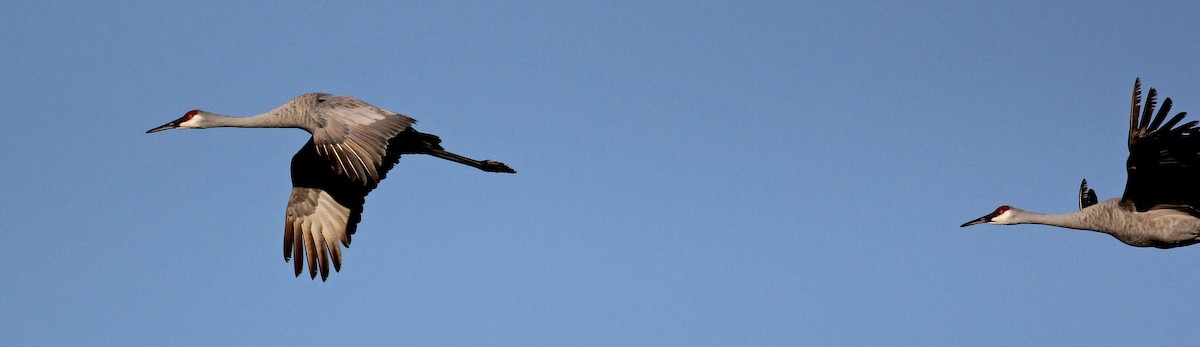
pixel 749 173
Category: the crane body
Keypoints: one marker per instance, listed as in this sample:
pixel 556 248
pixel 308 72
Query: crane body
pixel 1162 193
pixel 353 146
pixel 1161 228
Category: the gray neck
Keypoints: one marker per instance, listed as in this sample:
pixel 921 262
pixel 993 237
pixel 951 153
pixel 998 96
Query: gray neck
pixel 265 120
pixel 1070 220
pixel 1084 219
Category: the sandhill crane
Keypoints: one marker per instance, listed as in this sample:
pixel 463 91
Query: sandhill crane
pixel 1162 191
pixel 353 146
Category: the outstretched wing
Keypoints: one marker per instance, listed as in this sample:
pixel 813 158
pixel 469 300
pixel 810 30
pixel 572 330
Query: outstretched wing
pixel 353 135
pixel 1164 158
pixel 324 210
pixel 316 223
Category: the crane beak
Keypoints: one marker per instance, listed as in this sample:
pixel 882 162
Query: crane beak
pixel 981 220
pixel 168 126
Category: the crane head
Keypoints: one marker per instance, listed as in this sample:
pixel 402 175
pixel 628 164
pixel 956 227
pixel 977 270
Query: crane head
pixel 189 120
pixel 1001 215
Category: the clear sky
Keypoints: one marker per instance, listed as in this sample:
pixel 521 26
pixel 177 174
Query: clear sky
pixel 750 173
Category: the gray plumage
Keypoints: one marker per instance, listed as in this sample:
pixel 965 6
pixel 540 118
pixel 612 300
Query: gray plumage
pixel 1162 190
pixel 353 146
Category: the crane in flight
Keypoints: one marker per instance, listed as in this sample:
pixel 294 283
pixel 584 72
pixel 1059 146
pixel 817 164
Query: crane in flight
pixel 353 146
pixel 1162 191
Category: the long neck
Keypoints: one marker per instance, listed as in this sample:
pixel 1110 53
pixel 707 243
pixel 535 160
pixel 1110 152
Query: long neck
pixel 266 120
pixel 1103 217
pixel 1073 220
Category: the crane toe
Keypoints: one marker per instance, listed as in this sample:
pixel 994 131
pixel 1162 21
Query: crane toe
pixel 495 166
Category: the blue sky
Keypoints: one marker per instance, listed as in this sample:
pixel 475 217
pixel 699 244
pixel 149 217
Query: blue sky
pixel 746 173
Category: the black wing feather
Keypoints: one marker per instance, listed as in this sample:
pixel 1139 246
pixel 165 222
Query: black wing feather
pixel 1164 159
pixel 310 169
pixel 1087 197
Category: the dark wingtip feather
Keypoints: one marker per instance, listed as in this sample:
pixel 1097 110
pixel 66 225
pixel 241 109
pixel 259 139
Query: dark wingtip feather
pixel 311 247
pixel 297 256
pixel 1179 117
pixel 323 259
pixel 1134 104
pixel 336 257
pixel 1163 110
pixel 1148 110
pixel 287 241
pixel 1187 126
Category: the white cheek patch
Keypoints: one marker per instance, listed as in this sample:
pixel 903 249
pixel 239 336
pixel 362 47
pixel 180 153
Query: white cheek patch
pixel 1003 218
pixel 194 122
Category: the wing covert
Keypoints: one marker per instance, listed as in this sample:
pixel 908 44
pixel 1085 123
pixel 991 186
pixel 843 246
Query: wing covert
pixel 354 135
